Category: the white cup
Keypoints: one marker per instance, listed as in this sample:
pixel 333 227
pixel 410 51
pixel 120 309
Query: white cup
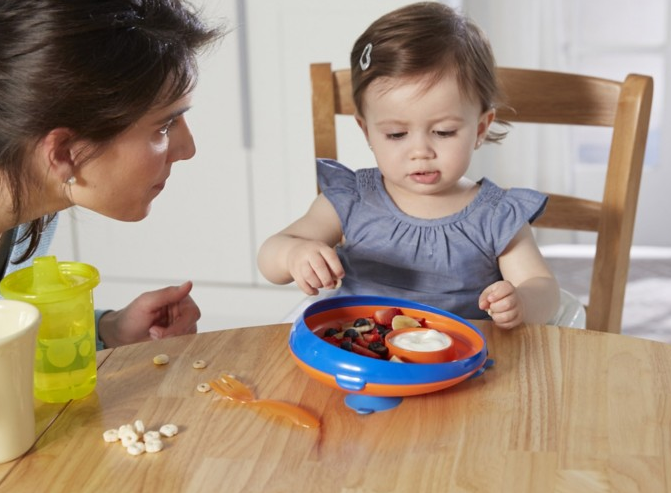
pixel 19 322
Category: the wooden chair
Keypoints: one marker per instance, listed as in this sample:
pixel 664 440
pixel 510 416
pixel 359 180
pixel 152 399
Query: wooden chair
pixel 551 97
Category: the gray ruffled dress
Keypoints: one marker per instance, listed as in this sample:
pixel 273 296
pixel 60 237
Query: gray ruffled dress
pixel 445 262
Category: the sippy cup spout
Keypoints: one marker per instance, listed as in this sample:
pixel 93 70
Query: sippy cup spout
pixel 47 277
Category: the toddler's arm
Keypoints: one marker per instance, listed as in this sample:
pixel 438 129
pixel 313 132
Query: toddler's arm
pixel 304 251
pixel 529 291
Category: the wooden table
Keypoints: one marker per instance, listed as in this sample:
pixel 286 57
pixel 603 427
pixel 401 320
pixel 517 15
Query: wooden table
pixel 562 410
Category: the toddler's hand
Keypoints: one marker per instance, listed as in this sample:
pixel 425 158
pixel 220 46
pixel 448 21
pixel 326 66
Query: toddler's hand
pixel 501 302
pixel 314 265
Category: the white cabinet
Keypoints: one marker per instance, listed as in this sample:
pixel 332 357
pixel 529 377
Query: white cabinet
pixel 253 172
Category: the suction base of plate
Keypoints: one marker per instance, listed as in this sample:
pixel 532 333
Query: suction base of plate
pixel 367 404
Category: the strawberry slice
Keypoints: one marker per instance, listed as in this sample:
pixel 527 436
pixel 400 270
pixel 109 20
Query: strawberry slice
pixel 371 336
pixel 364 351
pixel 332 340
pixel 384 316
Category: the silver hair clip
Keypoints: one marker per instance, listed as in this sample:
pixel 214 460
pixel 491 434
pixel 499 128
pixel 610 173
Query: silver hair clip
pixel 364 61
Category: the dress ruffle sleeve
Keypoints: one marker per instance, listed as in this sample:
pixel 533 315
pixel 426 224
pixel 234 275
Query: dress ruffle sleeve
pixel 339 185
pixel 516 207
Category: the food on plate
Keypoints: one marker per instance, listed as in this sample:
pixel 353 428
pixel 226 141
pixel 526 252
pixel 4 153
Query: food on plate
pixel 422 340
pixel 366 336
pixel 384 316
pixel 403 322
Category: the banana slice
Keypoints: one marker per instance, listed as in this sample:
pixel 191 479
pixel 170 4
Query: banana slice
pixel 361 325
pixel 403 321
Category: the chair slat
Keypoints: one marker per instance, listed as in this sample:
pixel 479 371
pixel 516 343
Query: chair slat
pixel 537 96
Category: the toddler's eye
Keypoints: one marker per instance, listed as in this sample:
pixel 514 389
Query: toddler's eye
pixel 445 133
pixel 397 135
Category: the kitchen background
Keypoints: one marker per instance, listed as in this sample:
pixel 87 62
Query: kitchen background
pixel 254 172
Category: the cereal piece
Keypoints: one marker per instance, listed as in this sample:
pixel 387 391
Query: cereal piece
pixel 111 436
pixel 153 446
pixel 129 438
pixel 137 448
pixel 199 364
pixel 139 427
pixel 203 387
pixel 151 435
pixel 136 440
pixel 161 359
pixel 125 429
pixel 168 430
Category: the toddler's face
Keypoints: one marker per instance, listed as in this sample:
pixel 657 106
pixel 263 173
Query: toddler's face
pixel 422 136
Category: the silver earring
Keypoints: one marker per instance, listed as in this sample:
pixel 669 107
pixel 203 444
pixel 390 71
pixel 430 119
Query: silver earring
pixel 71 181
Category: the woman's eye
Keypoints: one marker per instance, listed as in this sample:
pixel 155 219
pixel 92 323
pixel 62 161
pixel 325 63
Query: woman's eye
pixel 165 129
pixel 445 133
pixel 397 135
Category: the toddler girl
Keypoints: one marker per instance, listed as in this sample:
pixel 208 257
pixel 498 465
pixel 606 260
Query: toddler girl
pixel 424 85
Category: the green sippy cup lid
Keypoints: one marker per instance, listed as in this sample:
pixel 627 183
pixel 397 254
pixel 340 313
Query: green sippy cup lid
pixel 49 280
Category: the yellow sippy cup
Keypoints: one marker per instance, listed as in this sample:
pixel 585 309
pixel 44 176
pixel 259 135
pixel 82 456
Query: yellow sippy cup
pixel 65 359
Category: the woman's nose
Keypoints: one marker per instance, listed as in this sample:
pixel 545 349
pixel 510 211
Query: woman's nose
pixel 182 144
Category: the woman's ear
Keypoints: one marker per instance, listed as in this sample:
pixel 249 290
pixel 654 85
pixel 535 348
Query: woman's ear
pixel 58 151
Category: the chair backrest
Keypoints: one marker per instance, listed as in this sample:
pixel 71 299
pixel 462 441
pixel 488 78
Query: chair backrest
pixel 552 97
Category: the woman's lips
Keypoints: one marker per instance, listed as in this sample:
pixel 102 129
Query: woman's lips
pixel 426 178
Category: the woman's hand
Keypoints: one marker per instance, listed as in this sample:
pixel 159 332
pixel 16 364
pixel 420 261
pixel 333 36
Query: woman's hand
pixel 156 314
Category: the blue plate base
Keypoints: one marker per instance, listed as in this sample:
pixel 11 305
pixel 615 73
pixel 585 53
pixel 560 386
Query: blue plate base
pixel 367 404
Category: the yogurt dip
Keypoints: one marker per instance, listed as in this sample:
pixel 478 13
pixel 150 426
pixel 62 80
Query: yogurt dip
pixel 422 340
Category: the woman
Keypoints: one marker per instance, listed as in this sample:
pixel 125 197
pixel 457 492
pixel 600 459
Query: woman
pixel 92 101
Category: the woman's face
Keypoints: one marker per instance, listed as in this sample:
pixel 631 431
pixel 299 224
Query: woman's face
pixel 123 178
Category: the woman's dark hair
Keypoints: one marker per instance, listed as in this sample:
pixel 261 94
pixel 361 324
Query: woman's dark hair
pixel 92 66
pixel 426 38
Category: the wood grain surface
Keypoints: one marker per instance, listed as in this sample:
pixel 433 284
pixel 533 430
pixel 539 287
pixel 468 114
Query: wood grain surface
pixel 561 410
